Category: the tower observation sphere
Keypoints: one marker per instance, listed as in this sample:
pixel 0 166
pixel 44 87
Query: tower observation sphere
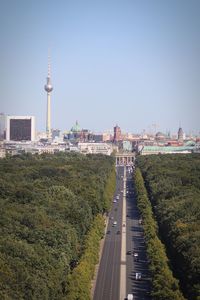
pixel 48 88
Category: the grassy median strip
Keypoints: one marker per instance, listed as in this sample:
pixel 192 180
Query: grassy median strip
pixel 164 285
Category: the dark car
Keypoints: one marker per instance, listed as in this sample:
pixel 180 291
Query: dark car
pixel 129 252
pixel 118 232
pixel 108 232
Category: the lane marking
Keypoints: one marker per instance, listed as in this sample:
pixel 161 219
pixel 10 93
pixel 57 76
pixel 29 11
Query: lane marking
pixel 122 294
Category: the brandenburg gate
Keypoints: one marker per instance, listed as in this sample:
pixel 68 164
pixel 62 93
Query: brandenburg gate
pixel 125 158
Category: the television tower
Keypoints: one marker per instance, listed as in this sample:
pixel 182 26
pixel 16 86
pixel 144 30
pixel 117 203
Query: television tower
pixel 48 88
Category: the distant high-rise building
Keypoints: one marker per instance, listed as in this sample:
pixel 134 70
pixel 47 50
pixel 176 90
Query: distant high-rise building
pixel 2 126
pixel 20 128
pixel 117 133
pixel 180 134
pixel 48 88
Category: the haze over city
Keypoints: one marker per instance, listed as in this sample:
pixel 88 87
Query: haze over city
pixel 135 63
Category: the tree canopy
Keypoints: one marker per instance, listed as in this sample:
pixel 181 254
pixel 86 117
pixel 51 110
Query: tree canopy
pixel 173 184
pixel 47 206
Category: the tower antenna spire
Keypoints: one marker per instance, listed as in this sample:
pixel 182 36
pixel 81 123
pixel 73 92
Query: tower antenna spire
pixel 48 88
pixel 49 63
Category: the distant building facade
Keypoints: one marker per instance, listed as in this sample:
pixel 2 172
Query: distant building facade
pixel 2 150
pixel 20 128
pixel 117 134
pixel 95 148
pixel 127 146
pixel 55 133
pixel 2 126
pixel 148 150
pixel 180 135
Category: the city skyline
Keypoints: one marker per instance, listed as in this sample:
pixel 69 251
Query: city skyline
pixel 134 64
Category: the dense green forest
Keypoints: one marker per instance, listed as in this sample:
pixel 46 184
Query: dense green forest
pixel 173 184
pixel 49 205
pixel 164 285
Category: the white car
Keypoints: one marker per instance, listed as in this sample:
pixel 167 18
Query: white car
pixel 138 276
pixel 130 297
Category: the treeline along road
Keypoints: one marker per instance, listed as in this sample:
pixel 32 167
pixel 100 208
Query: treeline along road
pixel 51 209
pixel 173 185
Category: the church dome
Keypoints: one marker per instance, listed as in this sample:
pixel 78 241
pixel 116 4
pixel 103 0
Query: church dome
pixel 76 127
pixel 160 136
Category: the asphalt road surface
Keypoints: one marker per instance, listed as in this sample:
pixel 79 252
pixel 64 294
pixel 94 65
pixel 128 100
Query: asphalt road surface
pixel 108 277
pixel 135 243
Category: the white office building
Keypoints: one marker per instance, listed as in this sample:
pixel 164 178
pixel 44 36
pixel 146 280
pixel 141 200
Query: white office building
pixel 95 148
pixel 20 128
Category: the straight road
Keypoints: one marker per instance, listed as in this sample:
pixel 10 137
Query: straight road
pixel 116 274
pixel 108 278
pixel 135 242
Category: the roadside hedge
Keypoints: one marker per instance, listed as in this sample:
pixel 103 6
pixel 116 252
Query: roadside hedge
pixel 164 285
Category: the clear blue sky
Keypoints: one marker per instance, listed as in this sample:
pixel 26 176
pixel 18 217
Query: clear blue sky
pixel 131 62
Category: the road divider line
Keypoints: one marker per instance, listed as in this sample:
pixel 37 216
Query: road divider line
pixel 122 292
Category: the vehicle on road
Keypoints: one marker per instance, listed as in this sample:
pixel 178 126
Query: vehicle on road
pixel 140 221
pixel 130 297
pixel 138 276
pixel 135 255
pixel 129 252
pixel 118 232
pixel 108 232
pixel 117 197
pixel 114 201
pixel 115 223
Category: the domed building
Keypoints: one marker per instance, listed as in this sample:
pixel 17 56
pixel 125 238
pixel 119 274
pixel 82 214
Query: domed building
pixel 160 136
pixel 74 134
pixel 76 128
